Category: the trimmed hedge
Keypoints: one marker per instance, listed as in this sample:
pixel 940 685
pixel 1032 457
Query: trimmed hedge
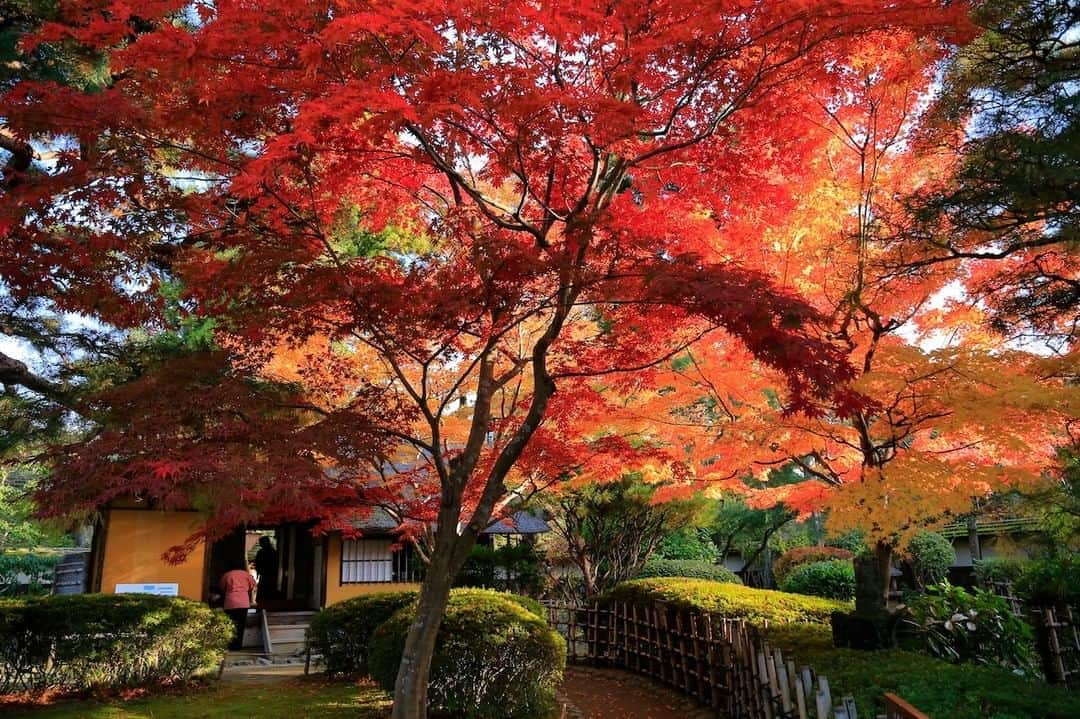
pixel 340 633
pixel 494 658
pixel 930 555
pixel 798 556
pixel 71 643
pixel 938 688
pixel 833 579
pixel 734 601
pixel 689 568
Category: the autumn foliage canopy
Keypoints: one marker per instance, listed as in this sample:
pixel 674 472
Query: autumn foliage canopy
pixel 459 249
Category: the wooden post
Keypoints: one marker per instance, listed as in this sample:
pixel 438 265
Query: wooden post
pixel 823 685
pixel 800 698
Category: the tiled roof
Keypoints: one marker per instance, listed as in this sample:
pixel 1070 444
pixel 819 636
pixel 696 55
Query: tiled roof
pixel 520 522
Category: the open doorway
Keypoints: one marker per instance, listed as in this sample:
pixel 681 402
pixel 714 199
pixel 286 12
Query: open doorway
pixel 284 559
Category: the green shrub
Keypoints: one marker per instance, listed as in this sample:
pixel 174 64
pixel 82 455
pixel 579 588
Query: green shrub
pixel 690 568
pixel 833 580
pixel 493 658
pixel 1051 580
pixel 340 633
pixel 958 626
pixel 930 556
pixel 688 543
pixel 38 568
pixel 988 571
pixel 798 556
pixel 940 689
pixel 70 643
pixel 730 600
pixel 529 604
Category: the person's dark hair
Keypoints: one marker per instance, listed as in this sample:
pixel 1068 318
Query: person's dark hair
pixel 266 543
pixel 240 563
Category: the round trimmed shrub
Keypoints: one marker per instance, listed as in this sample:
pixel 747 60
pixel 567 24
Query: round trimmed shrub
pixel 690 568
pixel 529 604
pixel 494 659
pixel 798 556
pixel 340 633
pixel 834 579
pixel 930 556
pixel 78 642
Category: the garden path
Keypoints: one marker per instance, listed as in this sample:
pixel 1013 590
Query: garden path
pixel 593 693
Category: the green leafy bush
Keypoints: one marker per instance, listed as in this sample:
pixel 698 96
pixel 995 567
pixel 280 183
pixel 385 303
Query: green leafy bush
pixel 494 659
pixel 37 568
pixel 959 626
pixel 833 579
pixel 988 571
pixel 688 543
pixel 340 633
pixel 70 643
pixel 734 601
pixel 1051 580
pixel 688 568
pixel 938 688
pixel 930 556
pixel 798 556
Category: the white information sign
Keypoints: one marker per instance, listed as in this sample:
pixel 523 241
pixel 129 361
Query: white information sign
pixel 161 589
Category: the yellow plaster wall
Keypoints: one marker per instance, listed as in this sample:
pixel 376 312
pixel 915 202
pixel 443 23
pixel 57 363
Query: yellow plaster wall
pixel 134 543
pixel 336 591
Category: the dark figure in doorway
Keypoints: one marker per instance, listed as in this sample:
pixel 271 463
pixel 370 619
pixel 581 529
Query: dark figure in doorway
pixel 266 564
pixel 238 587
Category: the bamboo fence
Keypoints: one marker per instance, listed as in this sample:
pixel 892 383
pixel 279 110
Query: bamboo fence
pixel 722 663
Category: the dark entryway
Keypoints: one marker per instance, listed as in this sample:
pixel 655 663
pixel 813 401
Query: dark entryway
pixel 286 559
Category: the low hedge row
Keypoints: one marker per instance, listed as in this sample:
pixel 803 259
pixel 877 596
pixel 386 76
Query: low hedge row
pixel 71 643
pixel 938 688
pixel 734 601
pixel 689 568
pixel 495 656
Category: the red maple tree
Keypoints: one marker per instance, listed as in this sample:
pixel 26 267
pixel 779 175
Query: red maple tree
pixel 440 214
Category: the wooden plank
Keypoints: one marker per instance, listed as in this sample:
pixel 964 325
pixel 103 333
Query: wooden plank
pixel 897 708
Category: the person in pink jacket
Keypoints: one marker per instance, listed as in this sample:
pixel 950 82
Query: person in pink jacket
pixel 238 586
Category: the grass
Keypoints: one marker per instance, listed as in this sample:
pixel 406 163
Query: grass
pixel 313 698
pixel 940 689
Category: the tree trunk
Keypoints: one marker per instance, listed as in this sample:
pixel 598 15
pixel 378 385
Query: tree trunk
pixel 414 672
pixel 872 577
